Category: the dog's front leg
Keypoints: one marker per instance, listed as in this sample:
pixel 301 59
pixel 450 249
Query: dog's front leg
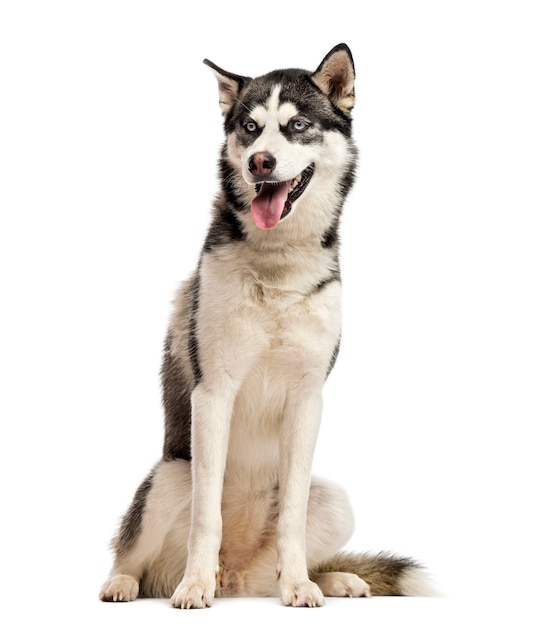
pixel 297 443
pixel 212 406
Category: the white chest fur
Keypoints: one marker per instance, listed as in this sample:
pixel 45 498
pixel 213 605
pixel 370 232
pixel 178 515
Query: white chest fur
pixel 266 340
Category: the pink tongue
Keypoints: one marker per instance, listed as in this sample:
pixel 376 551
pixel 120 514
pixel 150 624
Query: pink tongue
pixel 268 205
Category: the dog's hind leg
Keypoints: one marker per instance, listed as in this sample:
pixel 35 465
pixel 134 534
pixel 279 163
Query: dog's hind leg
pixel 250 571
pixel 330 524
pixel 330 521
pixel 158 502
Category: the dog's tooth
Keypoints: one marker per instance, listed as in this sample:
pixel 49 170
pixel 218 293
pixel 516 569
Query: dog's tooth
pixel 295 181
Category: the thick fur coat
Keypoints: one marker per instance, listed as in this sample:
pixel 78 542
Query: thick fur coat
pixel 231 509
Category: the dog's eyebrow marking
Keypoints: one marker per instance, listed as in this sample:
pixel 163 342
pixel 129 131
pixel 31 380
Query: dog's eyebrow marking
pixel 286 111
pixel 259 115
pixel 262 113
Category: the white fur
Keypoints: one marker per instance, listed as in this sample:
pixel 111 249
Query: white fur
pixel 274 425
pixel 291 158
pixel 416 582
pixel 258 327
pixel 267 324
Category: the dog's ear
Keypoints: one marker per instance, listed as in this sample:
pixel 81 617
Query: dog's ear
pixel 229 86
pixel 336 77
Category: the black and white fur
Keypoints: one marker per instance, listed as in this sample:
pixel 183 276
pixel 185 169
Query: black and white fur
pixel 231 509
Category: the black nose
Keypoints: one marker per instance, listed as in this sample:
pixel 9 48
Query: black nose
pixel 261 164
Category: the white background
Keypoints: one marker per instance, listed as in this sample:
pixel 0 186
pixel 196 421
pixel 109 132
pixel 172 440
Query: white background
pixel 109 135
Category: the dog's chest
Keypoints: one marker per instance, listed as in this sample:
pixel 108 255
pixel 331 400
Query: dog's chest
pixel 278 303
pixel 299 335
pixel 287 324
pixel 265 331
pixel 265 328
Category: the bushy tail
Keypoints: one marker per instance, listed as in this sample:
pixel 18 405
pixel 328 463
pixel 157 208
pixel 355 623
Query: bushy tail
pixel 387 574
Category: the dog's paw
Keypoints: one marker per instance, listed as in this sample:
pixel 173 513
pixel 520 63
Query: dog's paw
pixel 193 594
pixel 304 593
pixel 341 584
pixel 119 588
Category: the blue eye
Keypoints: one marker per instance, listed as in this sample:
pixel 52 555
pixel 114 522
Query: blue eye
pixel 299 125
pixel 250 127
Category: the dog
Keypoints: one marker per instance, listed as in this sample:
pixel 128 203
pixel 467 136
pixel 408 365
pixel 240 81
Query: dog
pixel 231 509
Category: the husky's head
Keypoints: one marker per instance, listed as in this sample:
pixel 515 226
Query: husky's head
pixel 288 129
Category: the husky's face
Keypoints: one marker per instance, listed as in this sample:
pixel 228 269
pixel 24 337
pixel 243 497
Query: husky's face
pixel 280 127
pixel 276 143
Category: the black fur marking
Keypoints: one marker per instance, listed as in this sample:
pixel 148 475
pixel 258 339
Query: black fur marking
pixel 131 523
pixel 193 341
pixel 335 275
pixel 308 136
pixel 228 177
pixel 331 237
pixel 344 126
pixel 348 179
pixel 177 408
pixel 334 356
pixel 298 88
pixel 316 107
pixel 224 229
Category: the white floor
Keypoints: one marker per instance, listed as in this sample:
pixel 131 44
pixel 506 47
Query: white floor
pixel 364 612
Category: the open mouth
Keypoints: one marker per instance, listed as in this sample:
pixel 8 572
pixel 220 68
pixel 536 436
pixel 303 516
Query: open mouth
pixel 274 201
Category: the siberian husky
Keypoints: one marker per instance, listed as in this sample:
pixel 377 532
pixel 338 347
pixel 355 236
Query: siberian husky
pixel 231 509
